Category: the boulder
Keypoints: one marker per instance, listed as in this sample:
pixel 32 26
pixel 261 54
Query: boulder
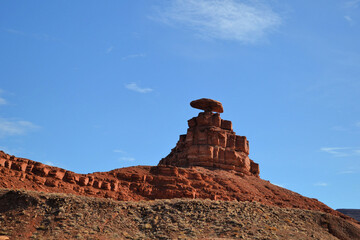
pixel 208 105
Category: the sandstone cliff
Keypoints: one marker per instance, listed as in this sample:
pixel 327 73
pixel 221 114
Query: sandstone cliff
pixel 211 142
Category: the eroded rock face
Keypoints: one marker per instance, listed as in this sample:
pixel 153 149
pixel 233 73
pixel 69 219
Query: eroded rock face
pixel 211 142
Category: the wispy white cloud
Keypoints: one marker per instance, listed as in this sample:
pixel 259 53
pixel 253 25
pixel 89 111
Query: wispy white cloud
pixel 357 151
pixel 349 20
pixel 110 49
pixel 352 4
pixel 2 100
pixel 49 163
pixel 347 58
pixel 138 55
pixel 347 172
pixel 341 151
pixel 246 21
pixel 351 128
pixel 118 151
pixel 13 31
pixel 127 159
pixel 334 150
pixel 9 127
pixel 37 36
pixel 339 128
pixel 134 87
pixel 321 184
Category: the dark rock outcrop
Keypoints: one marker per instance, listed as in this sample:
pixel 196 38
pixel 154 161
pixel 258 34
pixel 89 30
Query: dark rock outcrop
pixel 354 213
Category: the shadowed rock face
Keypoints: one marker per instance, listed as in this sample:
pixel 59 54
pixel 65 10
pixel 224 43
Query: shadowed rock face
pixel 211 142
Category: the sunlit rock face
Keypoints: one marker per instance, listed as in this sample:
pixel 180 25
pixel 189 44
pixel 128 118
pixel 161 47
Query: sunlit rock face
pixel 211 142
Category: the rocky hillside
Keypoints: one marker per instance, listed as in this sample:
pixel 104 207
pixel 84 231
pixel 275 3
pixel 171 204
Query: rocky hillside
pixel 149 183
pixel 34 215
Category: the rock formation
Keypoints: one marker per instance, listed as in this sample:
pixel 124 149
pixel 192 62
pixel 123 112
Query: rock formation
pixel 208 105
pixel 211 142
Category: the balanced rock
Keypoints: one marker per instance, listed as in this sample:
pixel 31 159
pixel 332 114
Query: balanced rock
pixel 208 105
pixel 211 142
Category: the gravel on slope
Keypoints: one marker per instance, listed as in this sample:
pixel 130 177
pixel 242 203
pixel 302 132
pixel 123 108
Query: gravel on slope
pixel 36 215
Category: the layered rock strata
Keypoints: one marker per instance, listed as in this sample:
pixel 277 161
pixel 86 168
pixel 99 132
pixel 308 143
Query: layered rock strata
pixel 211 142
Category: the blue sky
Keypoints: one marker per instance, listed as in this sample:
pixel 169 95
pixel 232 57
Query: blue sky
pixel 93 85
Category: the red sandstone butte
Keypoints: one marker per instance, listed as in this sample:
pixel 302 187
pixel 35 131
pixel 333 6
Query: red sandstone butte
pixel 211 142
